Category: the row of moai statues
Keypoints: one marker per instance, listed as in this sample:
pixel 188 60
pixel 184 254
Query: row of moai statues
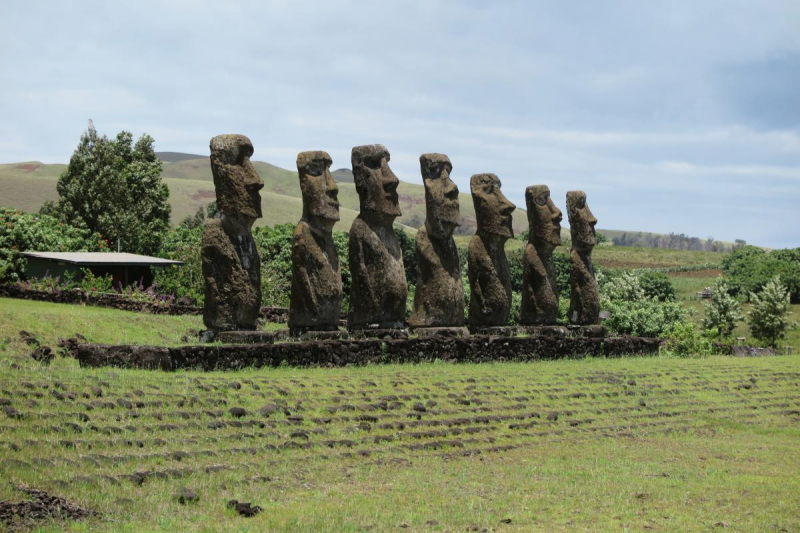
pixel 379 290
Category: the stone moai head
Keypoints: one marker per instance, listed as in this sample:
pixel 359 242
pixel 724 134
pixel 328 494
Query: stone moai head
pixel 376 184
pixel 441 195
pixel 235 178
pixel 492 209
pixel 544 218
pixel 581 221
pixel 320 193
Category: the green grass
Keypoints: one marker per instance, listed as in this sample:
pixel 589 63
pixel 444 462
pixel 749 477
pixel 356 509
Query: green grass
pixel 639 443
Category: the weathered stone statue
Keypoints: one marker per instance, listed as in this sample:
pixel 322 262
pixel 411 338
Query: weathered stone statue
pixel 487 266
pixel 316 275
pixel 584 304
pixel 539 288
pixel 439 298
pixel 231 266
pixel 379 290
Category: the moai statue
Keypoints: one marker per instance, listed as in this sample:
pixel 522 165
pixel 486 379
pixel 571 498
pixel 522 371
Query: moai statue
pixel 231 266
pixel 584 304
pixel 487 266
pixel 379 290
pixel 316 275
pixel 539 288
pixel 439 299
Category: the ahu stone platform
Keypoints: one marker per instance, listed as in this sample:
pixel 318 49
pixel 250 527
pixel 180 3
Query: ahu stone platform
pixel 334 353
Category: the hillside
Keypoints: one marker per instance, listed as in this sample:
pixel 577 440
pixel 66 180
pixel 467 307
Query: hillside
pixel 28 185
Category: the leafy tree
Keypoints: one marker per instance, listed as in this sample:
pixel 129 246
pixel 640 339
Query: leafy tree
pixel 768 319
pixel 182 244
pixel 114 188
pixel 749 268
pixel 24 232
pixel 722 311
pixel 194 221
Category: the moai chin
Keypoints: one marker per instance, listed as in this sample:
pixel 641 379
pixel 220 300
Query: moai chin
pixel 316 275
pixel 539 287
pixel 379 289
pixel 439 298
pixel 487 266
pixel 584 304
pixel 230 262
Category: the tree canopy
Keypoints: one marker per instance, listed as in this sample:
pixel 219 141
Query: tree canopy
pixel 113 187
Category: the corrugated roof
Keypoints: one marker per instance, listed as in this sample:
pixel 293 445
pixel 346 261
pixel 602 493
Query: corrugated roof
pixel 102 258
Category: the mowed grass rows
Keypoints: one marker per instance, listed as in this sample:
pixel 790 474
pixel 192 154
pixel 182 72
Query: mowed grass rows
pixel 590 444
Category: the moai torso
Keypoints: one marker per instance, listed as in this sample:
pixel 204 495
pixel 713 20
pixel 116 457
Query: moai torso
pixel 379 289
pixel 487 266
pixel 539 286
pixel 316 273
pixel 584 304
pixel 439 296
pixel 230 262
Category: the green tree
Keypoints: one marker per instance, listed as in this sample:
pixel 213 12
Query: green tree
pixel 722 311
pixel 769 317
pixel 114 188
pixel 24 232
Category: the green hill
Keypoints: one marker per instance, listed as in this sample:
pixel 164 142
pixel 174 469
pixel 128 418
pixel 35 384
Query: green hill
pixel 28 185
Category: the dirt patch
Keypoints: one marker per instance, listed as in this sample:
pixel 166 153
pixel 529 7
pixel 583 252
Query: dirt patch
pixel 27 167
pixel 204 194
pixel 21 516
pixel 709 273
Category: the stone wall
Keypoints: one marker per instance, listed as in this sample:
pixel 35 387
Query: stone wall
pixel 476 349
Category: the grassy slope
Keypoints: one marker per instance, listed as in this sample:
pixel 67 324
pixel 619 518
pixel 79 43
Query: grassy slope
pixel 27 185
pixel 662 444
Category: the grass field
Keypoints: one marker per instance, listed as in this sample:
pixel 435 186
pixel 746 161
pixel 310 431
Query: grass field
pixel 604 445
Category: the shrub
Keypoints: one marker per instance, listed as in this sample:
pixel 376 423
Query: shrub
pixel 768 319
pixel 643 318
pixel 23 232
pixel 749 268
pixel 722 311
pixel 685 340
pixel 623 286
pixel 182 244
pixel 657 285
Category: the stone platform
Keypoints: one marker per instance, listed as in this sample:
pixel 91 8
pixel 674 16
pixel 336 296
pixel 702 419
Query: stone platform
pixel 378 333
pixel 426 333
pixel 331 353
pixel 494 331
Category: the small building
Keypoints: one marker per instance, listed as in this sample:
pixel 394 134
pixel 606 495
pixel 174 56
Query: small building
pixel 123 267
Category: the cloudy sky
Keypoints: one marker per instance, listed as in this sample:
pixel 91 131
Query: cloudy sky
pixel 679 116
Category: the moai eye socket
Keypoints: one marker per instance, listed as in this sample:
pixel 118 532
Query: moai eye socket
pixel 541 200
pixel 373 162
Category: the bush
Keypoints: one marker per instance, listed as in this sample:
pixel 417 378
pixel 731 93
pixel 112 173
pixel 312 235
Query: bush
pixel 769 317
pixel 657 285
pixel 23 232
pixel 749 268
pixel 722 311
pixel 685 340
pixel 622 286
pixel 644 318
pixel 182 244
